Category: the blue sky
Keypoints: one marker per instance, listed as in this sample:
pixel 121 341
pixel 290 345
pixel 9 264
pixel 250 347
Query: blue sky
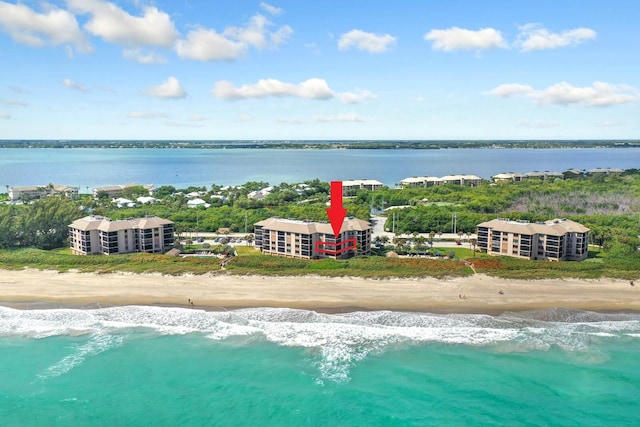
pixel 195 69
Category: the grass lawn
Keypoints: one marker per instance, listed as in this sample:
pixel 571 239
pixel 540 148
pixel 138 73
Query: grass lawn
pixel 246 250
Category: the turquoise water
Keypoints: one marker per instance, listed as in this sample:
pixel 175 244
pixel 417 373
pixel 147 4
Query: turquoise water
pixel 178 366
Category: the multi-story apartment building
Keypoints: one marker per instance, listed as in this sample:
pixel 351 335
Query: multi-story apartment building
pixel 508 177
pixel 38 191
pixel 312 240
pixel 350 187
pixel 100 235
pixel 430 181
pixel 554 240
pixel 420 181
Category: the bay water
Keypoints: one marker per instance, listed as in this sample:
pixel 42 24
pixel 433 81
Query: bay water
pixel 141 365
pixel 92 167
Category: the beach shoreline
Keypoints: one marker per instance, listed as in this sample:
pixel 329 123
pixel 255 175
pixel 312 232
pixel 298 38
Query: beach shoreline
pixel 30 288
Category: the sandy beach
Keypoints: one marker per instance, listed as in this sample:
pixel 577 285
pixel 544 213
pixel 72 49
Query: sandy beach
pixel 480 293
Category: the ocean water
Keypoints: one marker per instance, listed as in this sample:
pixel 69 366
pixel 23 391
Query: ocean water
pixel 89 168
pixel 163 366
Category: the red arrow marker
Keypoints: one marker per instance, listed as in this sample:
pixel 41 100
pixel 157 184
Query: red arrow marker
pixel 336 212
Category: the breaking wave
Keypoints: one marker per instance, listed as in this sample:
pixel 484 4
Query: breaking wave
pixel 337 340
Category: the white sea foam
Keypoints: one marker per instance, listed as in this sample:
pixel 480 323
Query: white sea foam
pixel 97 344
pixel 336 340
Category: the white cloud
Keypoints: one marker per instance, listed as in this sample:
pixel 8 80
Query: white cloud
pixel 508 89
pixel 272 10
pixel 354 98
pixel 145 115
pixel 599 94
pixel 197 118
pixel 536 125
pixel 461 39
pixel 170 89
pixel 609 124
pixel 141 57
pixel 4 115
pixel 347 117
pixel 18 89
pixel 53 27
pixel 288 120
pixel 369 42
pixel 245 118
pixel 310 89
pixel 536 37
pixel 207 45
pixel 105 88
pixel 15 102
pixel 256 33
pixel 281 35
pixel 115 25
pixel 74 85
pixel 183 125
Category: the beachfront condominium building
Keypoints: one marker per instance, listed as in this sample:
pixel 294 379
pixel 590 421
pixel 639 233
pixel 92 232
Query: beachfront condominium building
pixel 38 191
pixel 100 235
pixel 554 240
pixel 430 181
pixel 312 240
pixel 350 187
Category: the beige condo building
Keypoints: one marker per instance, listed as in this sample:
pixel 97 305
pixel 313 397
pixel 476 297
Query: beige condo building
pixel 312 240
pixel 101 235
pixel 38 191
pixel 350 187
pixel 554 240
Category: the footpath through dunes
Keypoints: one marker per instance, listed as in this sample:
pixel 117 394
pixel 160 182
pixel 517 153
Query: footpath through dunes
pixel 473 294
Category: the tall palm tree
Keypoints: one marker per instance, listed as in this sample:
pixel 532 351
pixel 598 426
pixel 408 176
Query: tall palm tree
pixel 473 242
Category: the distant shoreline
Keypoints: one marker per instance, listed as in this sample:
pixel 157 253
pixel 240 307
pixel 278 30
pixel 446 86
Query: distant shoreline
pixel 474 294
pixel 321 145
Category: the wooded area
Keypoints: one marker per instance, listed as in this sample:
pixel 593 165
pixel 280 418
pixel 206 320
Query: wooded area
pixel 609 206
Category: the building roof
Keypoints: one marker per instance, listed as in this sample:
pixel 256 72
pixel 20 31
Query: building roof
pixel 88 223
pixel 554 227
pixel 460 177
pixel 413 179
pixel 102 223
pixel 54 187
pixel 505 175
pixel 353 182
pixel 310 227
pixel 605 170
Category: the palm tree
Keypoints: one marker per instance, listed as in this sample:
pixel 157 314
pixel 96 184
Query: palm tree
pixel 473 242
pixel 399 242
pixel 419 242
pixel 384 239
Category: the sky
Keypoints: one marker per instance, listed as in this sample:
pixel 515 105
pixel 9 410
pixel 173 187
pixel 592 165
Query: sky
pixel 319 70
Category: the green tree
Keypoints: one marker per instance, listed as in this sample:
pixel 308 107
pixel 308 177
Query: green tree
pixel 44 224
